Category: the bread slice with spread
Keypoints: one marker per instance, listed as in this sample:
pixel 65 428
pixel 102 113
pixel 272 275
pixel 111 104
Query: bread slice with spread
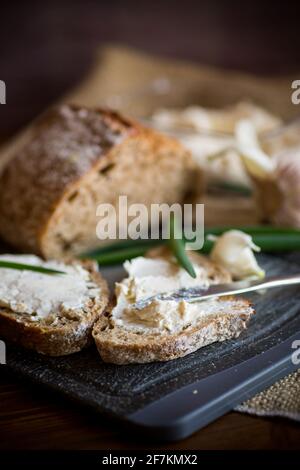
pixel 166 330
pixel 71 160
pixel 51 313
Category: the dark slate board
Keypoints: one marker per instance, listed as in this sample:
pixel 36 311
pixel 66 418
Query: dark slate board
pixel 123 390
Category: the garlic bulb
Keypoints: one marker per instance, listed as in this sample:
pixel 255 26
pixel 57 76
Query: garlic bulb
pixel 234 251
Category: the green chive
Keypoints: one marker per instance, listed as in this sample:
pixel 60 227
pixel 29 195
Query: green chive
pixel 119 255
pixel 177 246
pixel 28 267
pixel 268 243
pixel 268 238
pixel 277 243
pixel 119 246
pixel 253 230
pixel 231 187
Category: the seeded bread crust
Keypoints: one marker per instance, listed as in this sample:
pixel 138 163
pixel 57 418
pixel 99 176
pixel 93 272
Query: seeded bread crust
pixel 75 158
pixel 56 335
pixel 120 346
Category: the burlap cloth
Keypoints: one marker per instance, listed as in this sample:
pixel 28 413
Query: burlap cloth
pixel 125 79
pixel 281 399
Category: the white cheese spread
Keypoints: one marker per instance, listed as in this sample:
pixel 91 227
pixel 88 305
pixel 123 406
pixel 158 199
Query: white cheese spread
pixel 148 277
pixel 40 295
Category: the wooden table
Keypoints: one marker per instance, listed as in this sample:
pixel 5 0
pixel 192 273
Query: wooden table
pixel 45 51
pixel 33 418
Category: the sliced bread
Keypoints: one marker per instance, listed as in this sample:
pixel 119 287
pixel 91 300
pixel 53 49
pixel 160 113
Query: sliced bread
pixel 71 160
pixel 60 330
pixel 217 320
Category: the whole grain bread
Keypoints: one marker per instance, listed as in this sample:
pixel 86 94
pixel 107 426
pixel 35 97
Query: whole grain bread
pixel 118 345
pixel 57 334
pixel 72 159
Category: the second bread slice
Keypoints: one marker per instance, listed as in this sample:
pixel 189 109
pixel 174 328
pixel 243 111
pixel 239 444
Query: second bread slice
pixel 222 319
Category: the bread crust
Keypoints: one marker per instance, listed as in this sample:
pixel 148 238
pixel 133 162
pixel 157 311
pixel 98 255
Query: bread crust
pixel 55 340
pixel 120 346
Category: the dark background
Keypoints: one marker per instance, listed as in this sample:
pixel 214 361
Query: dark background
pixel 47 46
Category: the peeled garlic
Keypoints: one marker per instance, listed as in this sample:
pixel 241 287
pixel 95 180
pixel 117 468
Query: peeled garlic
pixel 234 251
pixel 257 162
pixel 198 118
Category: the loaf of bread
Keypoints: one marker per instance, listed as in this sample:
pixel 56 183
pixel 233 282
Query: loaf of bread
pixel 71 160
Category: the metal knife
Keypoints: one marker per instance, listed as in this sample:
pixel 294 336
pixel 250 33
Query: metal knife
pixel 197 294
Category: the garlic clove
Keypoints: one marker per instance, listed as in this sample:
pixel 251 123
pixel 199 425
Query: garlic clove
pixel 257 162
pixel 234 251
